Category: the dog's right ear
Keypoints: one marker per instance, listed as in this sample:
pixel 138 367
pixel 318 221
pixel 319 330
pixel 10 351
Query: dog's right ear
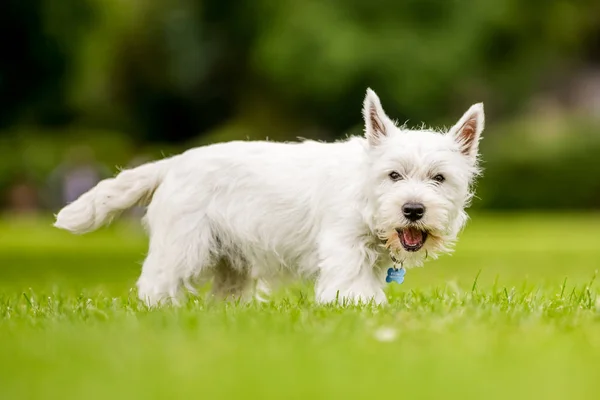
pixel 467 131
pixel 377 124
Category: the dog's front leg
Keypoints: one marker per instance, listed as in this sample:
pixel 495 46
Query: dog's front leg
pixel 347 274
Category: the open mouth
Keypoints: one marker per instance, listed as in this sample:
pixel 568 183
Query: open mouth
pixel 412 239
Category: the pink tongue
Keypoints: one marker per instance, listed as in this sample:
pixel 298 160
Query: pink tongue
pixel 412 237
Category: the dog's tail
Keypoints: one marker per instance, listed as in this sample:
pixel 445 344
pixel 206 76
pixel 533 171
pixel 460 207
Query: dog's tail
pixel 109 197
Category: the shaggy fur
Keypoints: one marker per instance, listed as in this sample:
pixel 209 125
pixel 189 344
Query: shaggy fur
pixel 247 213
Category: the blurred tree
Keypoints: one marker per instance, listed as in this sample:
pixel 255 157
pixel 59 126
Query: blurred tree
pixel 33 63
pixel 121 75
pixel 171 70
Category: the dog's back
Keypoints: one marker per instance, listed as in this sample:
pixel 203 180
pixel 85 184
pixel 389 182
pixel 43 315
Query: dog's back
pixel 262 201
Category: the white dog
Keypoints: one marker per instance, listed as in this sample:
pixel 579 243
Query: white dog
pixel 244 213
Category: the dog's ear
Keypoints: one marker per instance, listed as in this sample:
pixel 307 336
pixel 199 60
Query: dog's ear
pixel 467 131
pixel 377 123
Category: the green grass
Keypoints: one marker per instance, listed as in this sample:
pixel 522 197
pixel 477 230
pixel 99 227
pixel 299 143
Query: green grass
pixel 514 313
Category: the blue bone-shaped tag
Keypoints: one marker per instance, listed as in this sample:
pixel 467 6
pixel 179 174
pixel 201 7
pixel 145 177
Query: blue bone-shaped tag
pixel 395 275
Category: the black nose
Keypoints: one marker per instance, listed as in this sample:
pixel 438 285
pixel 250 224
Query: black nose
pixel 413 211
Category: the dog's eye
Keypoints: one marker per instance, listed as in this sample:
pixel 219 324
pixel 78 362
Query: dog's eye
pixel 439 178
pixel 395 176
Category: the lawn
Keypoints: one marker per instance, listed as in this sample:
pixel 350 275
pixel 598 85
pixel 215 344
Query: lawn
pixel 513 314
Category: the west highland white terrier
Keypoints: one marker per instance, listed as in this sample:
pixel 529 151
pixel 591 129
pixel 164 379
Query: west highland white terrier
pixel 247 213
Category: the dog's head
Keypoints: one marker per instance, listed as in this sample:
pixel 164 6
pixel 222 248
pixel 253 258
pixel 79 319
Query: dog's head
pixel 421 180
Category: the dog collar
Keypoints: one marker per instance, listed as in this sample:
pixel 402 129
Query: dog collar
pixel 395 274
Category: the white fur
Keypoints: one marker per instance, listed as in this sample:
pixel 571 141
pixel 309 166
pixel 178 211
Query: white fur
pixel 246 213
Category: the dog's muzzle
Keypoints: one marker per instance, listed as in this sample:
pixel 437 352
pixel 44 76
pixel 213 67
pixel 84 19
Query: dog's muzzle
pixel 412 239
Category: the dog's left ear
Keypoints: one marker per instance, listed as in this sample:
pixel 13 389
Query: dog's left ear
pixel 467 131
pixel 377 124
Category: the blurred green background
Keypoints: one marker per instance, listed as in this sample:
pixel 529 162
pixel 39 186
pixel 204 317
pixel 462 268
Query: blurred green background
pixel 87 85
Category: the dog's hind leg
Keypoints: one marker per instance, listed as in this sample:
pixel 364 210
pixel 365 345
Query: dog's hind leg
pixel 159 281
pixel 231 283
pixel 176 258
